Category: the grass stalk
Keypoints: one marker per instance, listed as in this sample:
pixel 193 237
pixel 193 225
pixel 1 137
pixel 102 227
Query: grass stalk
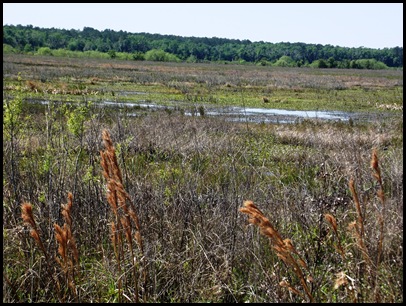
pixel 28 219
pixel 67 248
pixel 284 248
pixel 123 211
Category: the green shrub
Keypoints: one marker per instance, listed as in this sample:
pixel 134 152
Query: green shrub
pixel 160 56
pixel 8 49
pixel 44 51
pixel 285 61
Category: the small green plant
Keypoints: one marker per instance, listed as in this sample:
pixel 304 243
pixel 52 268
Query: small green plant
pixel 13 122
pixel 76 119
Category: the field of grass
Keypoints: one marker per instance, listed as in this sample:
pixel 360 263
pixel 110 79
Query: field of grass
pixel 100 206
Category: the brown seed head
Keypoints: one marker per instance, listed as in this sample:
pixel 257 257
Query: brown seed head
pixel 27 215
pixel 330 219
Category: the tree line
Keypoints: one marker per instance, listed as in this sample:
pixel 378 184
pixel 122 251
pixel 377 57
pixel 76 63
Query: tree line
pixel 146 46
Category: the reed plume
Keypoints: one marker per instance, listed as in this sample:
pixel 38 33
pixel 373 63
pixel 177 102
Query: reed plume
pixel 381 196
pixel 283 247
pixel 381 213
pixel 67 248
pixel 125 218
pixel 28 219
pixel 357 226
pixel 333 222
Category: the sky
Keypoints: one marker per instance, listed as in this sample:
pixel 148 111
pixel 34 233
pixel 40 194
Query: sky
pixel 370 25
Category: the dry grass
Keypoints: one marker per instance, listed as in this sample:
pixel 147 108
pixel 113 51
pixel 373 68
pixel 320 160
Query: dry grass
pixel 283 247
pixel 371 280
pixel 67 250
pixel 159 220
pixel 125 219
pixel 192 243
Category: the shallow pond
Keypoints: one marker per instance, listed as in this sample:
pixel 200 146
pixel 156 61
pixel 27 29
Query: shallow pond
pixel 233 113
pixel 248 114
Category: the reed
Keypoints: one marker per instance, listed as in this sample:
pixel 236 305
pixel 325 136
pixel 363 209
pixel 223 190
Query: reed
pixel 67 249
pixel 333 222
pixel 357 227
pixel 28 219
pixel 68 253
pixel 371 257
pixel 284 247
pixel 381 196
pixel 358 230
pixel 125 219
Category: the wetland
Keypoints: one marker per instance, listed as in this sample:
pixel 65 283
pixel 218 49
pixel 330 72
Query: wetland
pixel 145 166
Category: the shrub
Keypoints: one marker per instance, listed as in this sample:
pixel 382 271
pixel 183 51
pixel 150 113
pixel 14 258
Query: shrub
pixel 285 61
pixel 160 56
pixel 44 51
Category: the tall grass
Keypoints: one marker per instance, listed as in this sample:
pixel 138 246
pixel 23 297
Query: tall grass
pixel 68 259
pixel 368 287
pixel 125 221
pixel 173 233
pixel 283 247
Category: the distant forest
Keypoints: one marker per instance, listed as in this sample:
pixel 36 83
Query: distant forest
pixel 145 46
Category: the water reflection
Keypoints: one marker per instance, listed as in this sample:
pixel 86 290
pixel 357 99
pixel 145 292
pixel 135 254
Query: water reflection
pixel 241 114
pixel 277 115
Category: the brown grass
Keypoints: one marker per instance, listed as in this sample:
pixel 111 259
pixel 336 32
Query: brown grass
pixel 284 248
pixel 67 248
pixel 125 218
pixel 28 219
pixel 288 254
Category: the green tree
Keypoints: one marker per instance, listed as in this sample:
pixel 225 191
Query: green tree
pixel 331 62
pixel 211 49
pixel 8 49
pixel 321 63
pixel 160 56
pixel 28 48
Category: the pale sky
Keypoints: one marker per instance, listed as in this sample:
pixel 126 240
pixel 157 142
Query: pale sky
pixel 370 25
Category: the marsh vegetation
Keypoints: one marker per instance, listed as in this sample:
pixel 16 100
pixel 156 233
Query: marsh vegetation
pixel 103 206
